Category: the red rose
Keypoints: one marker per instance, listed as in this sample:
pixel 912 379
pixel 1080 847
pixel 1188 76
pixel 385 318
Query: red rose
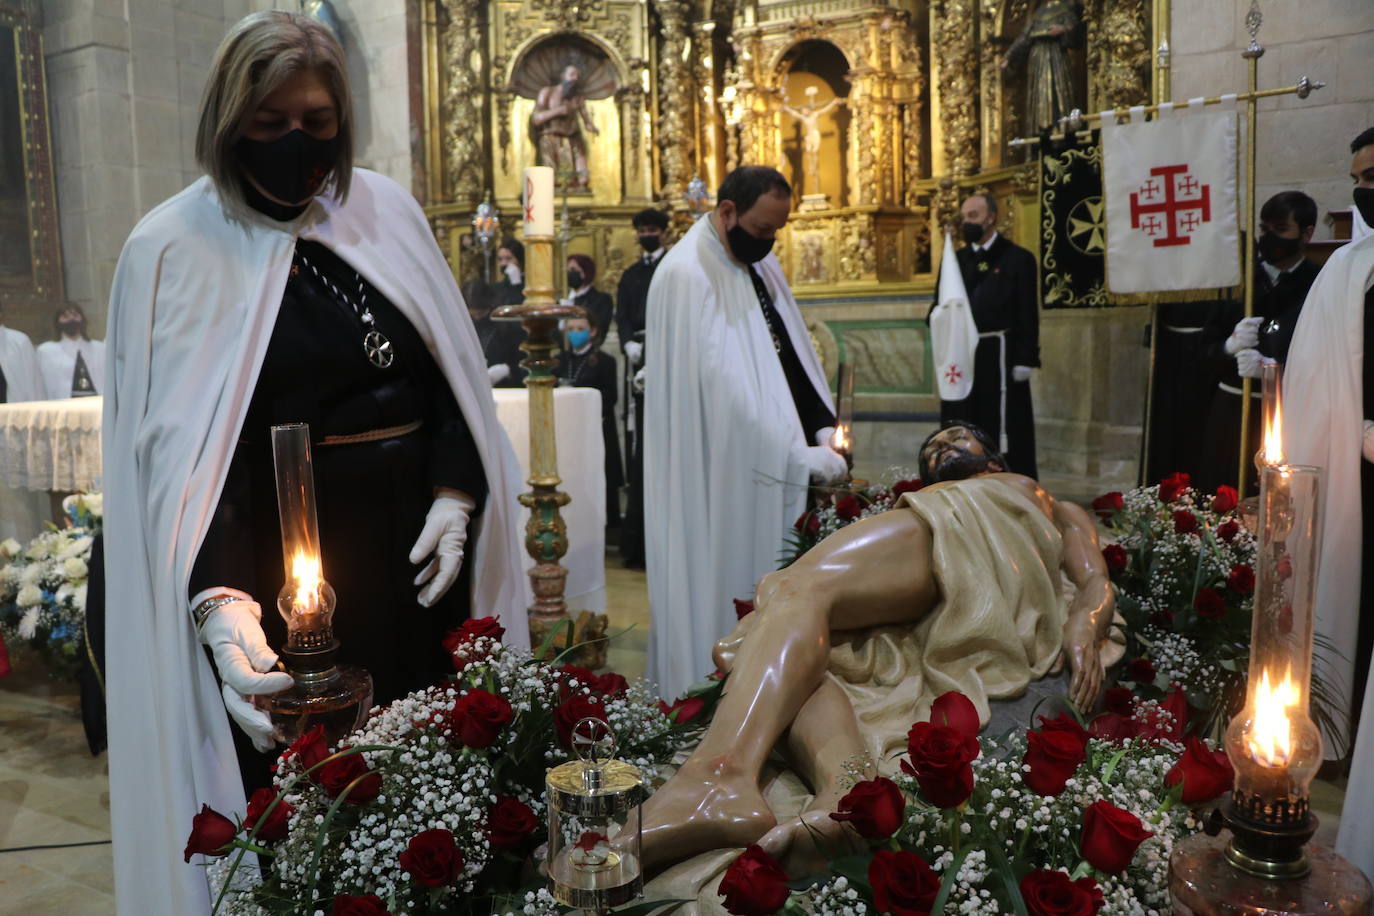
pixel 310 748
pixel 211 834
pixel 611 684
pixel 940 758
pixel 754 884
pixel 1113 727
pixel 1285 567
pixel 573 710
pixel 478 717
pixel 1285 620
pixel 1116 558
pixel 574 676
pixel 808 523
pixel 337 774
pixel 1172 486
pixel 907 486
pixel 274 827
pixel 1064 723
pixel 1241 579
pixel 1176 705
pixel 433 858
pixel 1141 670
pixel 1162 619
pixel 366 905
pixel 1209 604
pixel 1121 701
pixel 1225 500
pixel 848 507
pixel 473 628
pixel 743 609
pixel 873 807
pixel 956 711
pixel 510 822
pixel 1051 893
pixel 1053 756
pixel 1184 522
pixel 589 840
pixel 1227 531
pixel 1205 773
pixel 684 709
pixel 1110 837
pixel 903 884
pixel 1108 504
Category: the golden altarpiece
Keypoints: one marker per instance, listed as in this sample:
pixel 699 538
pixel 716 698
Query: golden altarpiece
pixel 883 115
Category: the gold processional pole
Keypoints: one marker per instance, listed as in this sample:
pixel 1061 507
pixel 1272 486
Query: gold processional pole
pixel 1252 54
pixel 1160 86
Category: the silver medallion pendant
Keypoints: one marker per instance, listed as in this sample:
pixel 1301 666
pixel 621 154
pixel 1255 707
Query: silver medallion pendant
pixel 378 349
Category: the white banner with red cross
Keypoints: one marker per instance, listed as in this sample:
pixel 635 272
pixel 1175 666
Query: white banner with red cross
pixel 1170 186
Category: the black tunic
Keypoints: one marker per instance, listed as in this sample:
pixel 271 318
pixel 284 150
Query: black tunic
pixel 1001 284
pixel 1364 642
pixel 594 369
pixel 1183 386
pixel 500 342
pixel 372 497
pixel 1279 304
pixel 811 410
pixel 631 318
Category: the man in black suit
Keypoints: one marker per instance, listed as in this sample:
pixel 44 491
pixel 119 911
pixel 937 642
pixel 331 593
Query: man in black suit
pixel 1001 282
pixel 651 228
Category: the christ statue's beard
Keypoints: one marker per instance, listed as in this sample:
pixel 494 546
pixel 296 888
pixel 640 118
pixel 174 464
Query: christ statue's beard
pixel 955 463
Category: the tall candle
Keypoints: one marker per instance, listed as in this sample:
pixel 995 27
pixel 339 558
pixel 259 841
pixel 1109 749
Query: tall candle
pixel 538 201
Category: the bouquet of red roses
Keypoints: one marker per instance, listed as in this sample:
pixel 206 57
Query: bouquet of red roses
pixel 1060 820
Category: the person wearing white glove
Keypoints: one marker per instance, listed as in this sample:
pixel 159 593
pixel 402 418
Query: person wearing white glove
pixel 1245 336
pixel 231 625
pixel 442 541
pixel 827 466
pixel 1021 373
pixel 1367 443
pixel 634 352
pixel 638 380
pixel 498 373
pixel 1249 362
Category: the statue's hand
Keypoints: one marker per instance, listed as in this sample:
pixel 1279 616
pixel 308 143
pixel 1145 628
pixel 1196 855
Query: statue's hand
pixel 1002 65
pixel 1085 663
pixel 1057 30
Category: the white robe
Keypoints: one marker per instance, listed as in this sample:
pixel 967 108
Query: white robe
pixel 57 361
pixel 194 302
pixel 23 381
pixel 725 471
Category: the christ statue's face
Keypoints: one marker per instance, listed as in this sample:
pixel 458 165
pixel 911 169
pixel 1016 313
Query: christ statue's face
pixel 955 454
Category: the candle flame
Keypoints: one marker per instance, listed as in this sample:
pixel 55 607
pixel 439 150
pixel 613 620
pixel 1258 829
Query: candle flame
pixel 1272 451
pixel 1270 739
pixel 840 440
pixel 305 571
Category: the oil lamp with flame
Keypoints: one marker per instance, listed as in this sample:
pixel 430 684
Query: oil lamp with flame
pixel 336 696
pixel 842 440
pixel 1272 743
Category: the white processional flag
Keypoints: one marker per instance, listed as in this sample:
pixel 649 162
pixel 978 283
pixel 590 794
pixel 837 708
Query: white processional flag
pixel 1170 186
pixel 953 333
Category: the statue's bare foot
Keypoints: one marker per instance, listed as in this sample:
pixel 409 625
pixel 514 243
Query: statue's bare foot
pixel 703 807
pixel 807 843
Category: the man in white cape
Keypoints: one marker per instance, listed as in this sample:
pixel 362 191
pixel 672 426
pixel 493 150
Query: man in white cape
pixel 194 302
pixel 58 359
pixel 19 363
pixel 1326 423
pixel 731 439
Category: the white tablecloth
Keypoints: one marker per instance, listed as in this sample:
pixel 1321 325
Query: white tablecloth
pixel 55 445
pixel 51 445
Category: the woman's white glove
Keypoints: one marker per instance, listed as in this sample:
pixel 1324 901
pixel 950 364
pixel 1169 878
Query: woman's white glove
pixel 442 540
pixel 498 373
pixel 1244 336
pixel 827 465
pixel 1367 445
pixel 239 647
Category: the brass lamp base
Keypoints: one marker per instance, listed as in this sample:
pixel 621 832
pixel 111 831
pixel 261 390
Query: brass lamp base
pixel 1204 882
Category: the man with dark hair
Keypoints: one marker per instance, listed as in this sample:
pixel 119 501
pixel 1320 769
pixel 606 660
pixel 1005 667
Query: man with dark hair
pixel 945 456
pixel 738 421
pixel 1235 347
pixel 73 365
pixel 1001 282
pixel 1329 401
pixel 651 229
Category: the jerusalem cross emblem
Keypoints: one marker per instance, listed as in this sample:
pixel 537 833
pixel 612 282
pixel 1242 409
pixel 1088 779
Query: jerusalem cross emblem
pixel 1170 206
pixel 952 374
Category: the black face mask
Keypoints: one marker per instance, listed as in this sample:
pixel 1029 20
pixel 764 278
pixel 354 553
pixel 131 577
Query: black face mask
pixel 973 233
pixel 1364 202
pixel 747 247
pixel 650 243
pixel 70 328
pixel 1275 248
pixel 292 167
pixel 574 279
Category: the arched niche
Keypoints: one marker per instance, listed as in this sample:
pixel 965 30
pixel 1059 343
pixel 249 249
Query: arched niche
pixel 812 90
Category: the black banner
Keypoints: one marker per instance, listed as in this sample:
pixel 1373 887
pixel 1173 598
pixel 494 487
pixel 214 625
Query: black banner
pixel 1073 225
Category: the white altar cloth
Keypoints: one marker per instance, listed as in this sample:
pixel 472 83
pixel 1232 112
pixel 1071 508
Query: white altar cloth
pixel 55 445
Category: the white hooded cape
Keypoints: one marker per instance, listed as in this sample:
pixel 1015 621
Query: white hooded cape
pixel 194 302
pixel 57 361
pixel 1323 425
pixel 23 380
pixel 953 332
pixel 725 471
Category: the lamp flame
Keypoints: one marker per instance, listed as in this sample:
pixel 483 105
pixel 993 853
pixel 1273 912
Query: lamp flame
pixel 1271 452
pixel 1271 741
pixel 840 440
pixel 305 572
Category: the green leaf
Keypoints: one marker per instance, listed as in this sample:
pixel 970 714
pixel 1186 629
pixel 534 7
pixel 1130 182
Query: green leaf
pixel 948 878
pixel 1003 869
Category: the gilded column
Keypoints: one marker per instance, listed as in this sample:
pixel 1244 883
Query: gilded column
pixel 1124 39
pixel 675 95
pixel 461 106
pixel 954 43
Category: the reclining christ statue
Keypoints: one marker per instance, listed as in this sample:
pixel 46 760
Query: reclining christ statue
pixel 959 589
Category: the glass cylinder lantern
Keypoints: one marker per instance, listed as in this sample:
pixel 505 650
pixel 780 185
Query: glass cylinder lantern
pixel 324 693
pixel 1273 743
pixel 594 824
pixel 843 439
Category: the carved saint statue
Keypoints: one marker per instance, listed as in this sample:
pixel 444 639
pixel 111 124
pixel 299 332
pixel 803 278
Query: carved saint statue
pixel 809 115
pixel 960 588
pixel 1054 27
pixel 560 112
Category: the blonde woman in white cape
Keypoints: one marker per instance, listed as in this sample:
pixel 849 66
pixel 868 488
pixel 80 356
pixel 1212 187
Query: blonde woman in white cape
pixel 284 286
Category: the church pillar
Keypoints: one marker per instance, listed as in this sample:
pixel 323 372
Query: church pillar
pixel 677 149
pixel 956 49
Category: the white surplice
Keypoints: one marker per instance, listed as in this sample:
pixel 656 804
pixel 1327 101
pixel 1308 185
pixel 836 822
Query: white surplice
pixel 57 361
pixel 23 381
pixel 195 299
pixel 725 471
